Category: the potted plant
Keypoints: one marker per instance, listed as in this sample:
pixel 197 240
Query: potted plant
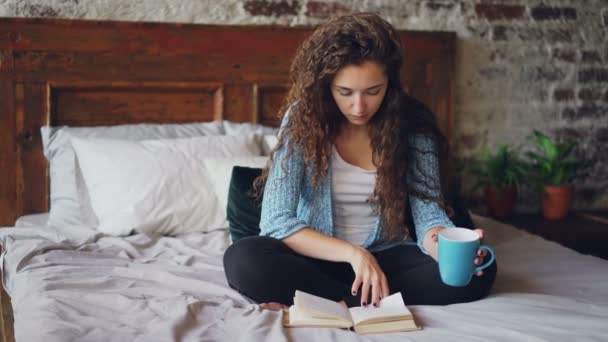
pixel 500 174
pixel 553 168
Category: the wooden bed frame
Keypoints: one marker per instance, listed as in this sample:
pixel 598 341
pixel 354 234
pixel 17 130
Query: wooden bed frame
pixel 88 73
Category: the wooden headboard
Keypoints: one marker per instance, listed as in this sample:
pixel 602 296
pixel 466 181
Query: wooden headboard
pixel 84 73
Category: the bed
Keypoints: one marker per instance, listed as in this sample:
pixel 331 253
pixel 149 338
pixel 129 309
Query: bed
pixel 71 282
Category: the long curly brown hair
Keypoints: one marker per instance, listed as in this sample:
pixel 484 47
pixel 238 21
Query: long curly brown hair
pixel 314 118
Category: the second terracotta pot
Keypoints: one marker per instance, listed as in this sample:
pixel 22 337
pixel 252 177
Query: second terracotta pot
pixel 556 201
pixel 500 202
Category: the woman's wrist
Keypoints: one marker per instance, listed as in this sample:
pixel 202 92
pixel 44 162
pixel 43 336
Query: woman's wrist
pixel 353 254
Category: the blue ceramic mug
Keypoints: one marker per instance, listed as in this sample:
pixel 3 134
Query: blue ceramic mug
pixel 456 250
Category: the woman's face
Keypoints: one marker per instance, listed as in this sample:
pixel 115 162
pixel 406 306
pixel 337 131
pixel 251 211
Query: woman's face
pixel 359 90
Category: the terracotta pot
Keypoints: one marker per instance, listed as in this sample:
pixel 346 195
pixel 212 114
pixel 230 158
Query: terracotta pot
pixel 556 201
pixel 500 202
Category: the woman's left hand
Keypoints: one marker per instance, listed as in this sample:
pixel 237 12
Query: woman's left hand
pixel 481 253
pixel 431 246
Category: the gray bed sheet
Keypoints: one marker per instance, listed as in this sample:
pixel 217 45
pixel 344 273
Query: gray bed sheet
pixel 74 284
pixel 32 220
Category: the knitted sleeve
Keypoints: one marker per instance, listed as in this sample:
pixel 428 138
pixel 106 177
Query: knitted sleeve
pixel 426 213
pixel 282 192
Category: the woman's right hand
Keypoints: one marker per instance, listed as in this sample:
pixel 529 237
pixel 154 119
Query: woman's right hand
pixel 368 276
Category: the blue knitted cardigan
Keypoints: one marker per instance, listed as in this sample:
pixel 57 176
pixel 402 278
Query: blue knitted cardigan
pixel 291 203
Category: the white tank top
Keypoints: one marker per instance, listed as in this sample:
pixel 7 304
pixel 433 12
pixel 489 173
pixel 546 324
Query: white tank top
pixel 351 188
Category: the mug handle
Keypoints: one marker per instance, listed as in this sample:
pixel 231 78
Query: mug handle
pixel 487 263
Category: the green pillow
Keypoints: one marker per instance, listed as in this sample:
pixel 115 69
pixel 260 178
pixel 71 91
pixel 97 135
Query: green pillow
pixel 243 211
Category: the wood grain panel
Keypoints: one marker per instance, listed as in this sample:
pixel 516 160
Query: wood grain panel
pixel 125 102
pixel 151 38
pixel 269 99
pixel 6 62
pixel 6 316
pixel 239 103
pixel 8 153
pixel 32 167
pixel 8 169
pixel 428 73
pixel 428 80
pixel 73 66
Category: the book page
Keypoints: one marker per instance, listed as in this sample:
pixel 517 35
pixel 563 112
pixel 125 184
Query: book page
pixel 298 318
pixel 321 307
pixel 390 308
pixel 385 327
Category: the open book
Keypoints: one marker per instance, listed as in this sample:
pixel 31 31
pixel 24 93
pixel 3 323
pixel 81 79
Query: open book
pixel 391 315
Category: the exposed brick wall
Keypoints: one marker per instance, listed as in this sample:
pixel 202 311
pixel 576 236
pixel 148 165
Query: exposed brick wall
pixel 521 65
pixel 494 12
pixel 271 8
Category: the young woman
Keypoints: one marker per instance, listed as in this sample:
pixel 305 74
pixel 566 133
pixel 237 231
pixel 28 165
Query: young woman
pixel 355 153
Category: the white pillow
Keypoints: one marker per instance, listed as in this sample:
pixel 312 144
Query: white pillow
pixel 266 134
pixel 268 143
pixel 65 208
pixel 236 128
pixel 155 186
pixel 219 172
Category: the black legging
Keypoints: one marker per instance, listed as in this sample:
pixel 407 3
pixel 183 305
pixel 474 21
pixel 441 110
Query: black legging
pixel 266 270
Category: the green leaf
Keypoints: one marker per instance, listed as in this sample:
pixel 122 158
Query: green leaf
pixel 553 163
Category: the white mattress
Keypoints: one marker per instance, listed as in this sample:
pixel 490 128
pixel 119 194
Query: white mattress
pixel 71 283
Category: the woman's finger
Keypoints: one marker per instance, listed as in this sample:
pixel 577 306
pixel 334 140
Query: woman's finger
pixel 365 293
pixel 376 292
pixel 356 285
pixel 479 232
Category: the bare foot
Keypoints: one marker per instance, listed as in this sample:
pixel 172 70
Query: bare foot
pixel 274 306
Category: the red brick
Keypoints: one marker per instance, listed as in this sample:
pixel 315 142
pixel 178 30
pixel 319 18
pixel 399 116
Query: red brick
pixel 602 134
pixel 591 57
pixel 553 13
pixel 322 10
pixel 498 12
pixel 564 55
pixel 439 5
pixel 593 75
pixel 272 8
pixel 563 94
pixel 585 111
pixel 592 111
pixel 589 95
